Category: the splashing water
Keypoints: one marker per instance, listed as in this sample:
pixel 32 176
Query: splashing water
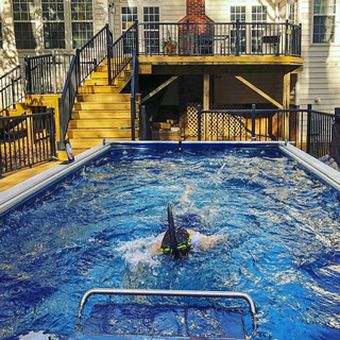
pixel 138 252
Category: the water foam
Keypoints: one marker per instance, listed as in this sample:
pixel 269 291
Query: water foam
pixel 137 252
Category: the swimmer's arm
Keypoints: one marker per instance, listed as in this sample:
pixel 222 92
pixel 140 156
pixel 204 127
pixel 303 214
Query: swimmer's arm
pixel 155 248
pixel 207 242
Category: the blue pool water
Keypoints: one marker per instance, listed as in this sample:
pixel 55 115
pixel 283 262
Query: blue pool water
pixel 94 230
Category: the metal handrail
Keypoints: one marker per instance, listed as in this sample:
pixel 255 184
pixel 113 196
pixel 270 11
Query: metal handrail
pixel 195 39
pixel 162 292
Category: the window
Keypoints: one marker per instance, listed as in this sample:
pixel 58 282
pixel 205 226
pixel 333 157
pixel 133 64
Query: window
pixel 1 38
pixel 323 21
pixel 238 13
pixel 259 18
pixel 293 13
pixel 23 14
pixel 82 29
pixel 151 32
pixel 129 16
pixel 54 27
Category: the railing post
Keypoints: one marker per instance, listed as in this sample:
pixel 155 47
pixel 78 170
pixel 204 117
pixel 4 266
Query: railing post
pixel 108 53
pixel 238 40
pixel 286 37
pixel 54 63
pixel 199 122
pixel 133 117
pixel 78 70
pixel 62 132
pixel 309 122
pixel 28 75
pixel 13 92
pixel 300 39
pixel 143 124
pixel 50 111
pixel 253 120
pixel 137 38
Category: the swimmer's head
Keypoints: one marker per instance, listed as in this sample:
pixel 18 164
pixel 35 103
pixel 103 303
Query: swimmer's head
pixel 176 242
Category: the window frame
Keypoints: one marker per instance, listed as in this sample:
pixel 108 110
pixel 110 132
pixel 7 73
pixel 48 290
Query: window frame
pixel 51 21
pixel 313 15
pixel 30 21
pixel 81 21
pixel 149 48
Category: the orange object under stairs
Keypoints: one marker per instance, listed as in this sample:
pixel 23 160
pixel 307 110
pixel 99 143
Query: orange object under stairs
pixel 100 111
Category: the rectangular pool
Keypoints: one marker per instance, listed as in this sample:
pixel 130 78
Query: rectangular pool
pixel 95 228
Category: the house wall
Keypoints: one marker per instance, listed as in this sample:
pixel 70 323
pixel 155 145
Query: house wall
pixel 319 82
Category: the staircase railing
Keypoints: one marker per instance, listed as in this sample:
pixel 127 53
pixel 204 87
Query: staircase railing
pixel 12 89
pixel 86 60
pixel 46 73
pixel 120 53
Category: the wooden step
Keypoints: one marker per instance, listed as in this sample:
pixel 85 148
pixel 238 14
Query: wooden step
pixel 91 89
pixel 103 75
pixel 99 133
pixel 83 144
pixel 99 123
pixel 101 106
pixel 101 82
pixel 105 98
pixel 99 114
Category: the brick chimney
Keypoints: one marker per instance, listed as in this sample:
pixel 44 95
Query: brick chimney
pixel 195 12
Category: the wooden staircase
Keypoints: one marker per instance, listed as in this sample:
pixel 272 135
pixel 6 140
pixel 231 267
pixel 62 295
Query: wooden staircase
pixel 100 111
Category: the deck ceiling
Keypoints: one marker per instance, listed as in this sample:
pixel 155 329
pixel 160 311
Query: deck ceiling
pixel 218 64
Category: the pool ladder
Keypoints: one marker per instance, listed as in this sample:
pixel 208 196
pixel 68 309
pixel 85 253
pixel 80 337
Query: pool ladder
pixel 178 293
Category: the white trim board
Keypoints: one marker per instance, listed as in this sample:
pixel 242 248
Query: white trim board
pixel 321 170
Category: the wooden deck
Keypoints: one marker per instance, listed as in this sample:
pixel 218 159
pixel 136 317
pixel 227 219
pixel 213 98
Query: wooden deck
pixel 202 64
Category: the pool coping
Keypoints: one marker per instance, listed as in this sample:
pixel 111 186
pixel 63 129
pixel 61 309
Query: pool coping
pixel 23 191
pixel 321 170
pixel 18 194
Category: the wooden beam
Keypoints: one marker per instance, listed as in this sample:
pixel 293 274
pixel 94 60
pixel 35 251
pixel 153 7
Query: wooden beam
pixel 159 88
pixel 286 91
pixel 286 102
pixel 206 91
pixel 259 91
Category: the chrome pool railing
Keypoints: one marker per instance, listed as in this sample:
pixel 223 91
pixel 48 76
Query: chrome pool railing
pixel 174 293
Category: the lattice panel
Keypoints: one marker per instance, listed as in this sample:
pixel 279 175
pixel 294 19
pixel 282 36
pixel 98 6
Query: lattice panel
pixel 192 119
pixel 223 126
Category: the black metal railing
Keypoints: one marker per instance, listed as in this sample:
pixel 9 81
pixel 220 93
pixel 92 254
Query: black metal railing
pixel 86 60
pixel 120 53
pixel 26 140
pixel 237 38
pixel 12 89
pixel 68 98
pixel 46 73
pixel 309 130
pixel 319 132
pixel 92 53
pixel 134 91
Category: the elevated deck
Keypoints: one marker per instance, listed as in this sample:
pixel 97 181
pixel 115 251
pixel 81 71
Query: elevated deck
pixel 165 64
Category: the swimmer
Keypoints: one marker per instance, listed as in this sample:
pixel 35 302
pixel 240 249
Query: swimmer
pixel 179 241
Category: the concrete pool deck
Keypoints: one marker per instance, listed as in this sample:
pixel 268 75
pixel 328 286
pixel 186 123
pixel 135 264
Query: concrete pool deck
pixel 26 184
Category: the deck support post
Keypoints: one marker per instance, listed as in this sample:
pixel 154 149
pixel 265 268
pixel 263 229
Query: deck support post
pixel 206 91
pixel 286 102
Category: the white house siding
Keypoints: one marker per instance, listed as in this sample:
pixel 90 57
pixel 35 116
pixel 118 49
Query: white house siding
pixel 319 82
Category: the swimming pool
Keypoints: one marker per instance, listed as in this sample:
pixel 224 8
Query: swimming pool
pixel 281 224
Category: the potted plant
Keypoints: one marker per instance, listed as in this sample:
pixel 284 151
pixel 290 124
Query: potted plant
pixel 169 46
